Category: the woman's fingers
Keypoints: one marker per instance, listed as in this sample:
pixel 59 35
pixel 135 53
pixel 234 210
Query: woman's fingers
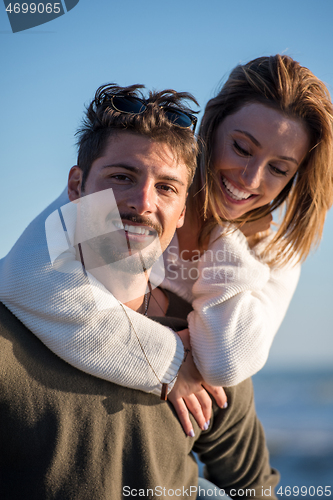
pixel 200 407
pixel 195 408
pixel 183 414
pixel 188 394
pixel 218 394
pixel 199 404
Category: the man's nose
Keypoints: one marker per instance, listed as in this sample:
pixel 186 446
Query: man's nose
pixel 252 175
pixel 143 198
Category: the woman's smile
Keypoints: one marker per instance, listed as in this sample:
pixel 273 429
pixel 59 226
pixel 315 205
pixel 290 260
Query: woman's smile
pixel 237 194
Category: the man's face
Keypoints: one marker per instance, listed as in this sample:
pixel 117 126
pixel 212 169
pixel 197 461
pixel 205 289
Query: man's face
pixel 149 185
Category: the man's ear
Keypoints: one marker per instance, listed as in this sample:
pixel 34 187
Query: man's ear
pixel 181 219
pixel 74 183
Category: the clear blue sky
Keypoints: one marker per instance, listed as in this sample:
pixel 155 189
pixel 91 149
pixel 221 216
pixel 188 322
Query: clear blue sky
pixel 49 72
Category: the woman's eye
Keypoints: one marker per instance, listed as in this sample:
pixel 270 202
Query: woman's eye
pixel 168 189
pixel 278 171
pixel 241 150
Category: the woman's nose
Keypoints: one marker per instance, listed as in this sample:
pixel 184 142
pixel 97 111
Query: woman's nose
pixel 252 175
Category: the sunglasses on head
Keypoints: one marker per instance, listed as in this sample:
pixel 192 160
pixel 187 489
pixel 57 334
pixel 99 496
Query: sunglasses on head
pixel 134 105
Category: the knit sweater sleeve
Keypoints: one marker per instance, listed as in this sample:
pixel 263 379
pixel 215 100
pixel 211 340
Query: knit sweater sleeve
pixel 239 303
pixel 113 343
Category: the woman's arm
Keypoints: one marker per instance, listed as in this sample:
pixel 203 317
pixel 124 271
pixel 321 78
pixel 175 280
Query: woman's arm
pixel 57 301
pixel 59 307
pixel 239 304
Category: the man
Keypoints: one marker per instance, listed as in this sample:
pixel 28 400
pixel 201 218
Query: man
pixel 64 433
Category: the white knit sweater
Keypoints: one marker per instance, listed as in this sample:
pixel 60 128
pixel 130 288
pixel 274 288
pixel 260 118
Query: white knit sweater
pixel 239 303
pixel 60 309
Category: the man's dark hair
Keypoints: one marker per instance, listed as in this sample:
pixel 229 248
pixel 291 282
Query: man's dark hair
pixel 102 121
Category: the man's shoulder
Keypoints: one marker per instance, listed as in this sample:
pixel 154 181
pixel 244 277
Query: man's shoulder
pixel 43 400
pixel 9 324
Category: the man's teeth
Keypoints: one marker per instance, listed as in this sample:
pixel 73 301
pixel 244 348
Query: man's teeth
pixel 136 230
pixel 234 192
pixel 132 229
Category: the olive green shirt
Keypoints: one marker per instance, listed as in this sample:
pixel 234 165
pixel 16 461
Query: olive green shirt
pixel 65 435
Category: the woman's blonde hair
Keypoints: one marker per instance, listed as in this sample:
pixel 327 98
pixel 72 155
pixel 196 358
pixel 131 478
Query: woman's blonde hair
pixel 283 84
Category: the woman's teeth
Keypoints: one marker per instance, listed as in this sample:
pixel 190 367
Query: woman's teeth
pixel 234 192
pixel 132 229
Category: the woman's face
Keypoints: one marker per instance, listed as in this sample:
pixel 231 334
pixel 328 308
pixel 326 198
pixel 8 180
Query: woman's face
pixel 256 152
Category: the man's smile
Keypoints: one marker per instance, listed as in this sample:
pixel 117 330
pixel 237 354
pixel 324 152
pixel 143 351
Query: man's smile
pixel 135 229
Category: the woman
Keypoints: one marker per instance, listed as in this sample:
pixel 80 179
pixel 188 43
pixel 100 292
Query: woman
pixel 266 143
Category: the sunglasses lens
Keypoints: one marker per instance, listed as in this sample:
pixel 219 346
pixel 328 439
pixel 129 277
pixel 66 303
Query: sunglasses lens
pixel 128 104
pixel 178 118
pixel 134 105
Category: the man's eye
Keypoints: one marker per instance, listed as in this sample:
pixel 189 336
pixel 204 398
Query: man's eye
pixel 120 177
pixel 241 150
pixel 165 187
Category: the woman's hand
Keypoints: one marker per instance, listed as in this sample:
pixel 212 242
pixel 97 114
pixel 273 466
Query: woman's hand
pixel 190 393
